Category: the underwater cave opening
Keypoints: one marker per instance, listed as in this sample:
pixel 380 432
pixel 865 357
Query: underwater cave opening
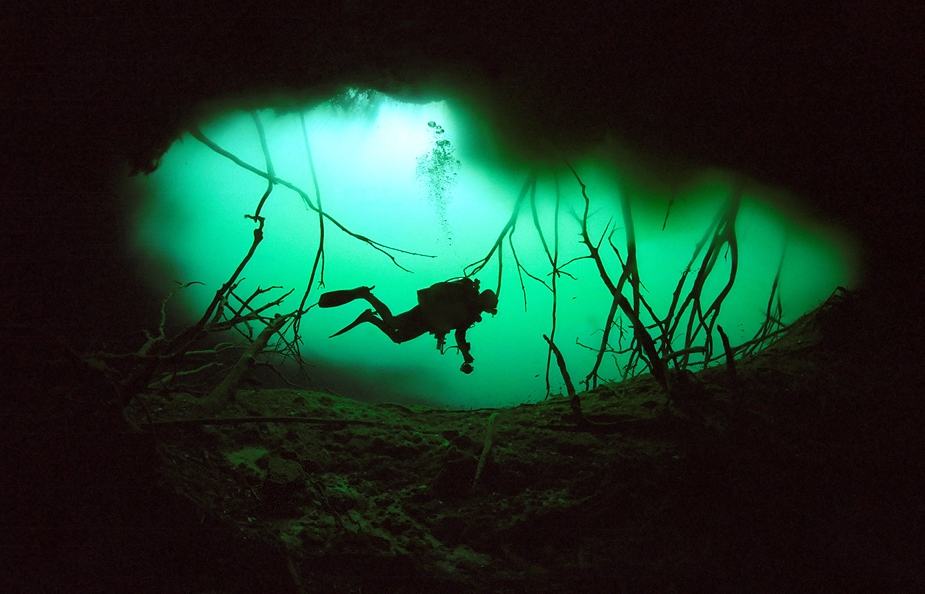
pixel 425 178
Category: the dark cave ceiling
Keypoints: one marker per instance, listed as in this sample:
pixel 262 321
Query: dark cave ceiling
pixel 813 100
pixel 723 85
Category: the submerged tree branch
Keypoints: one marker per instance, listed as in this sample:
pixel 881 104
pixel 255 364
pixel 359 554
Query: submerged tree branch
pixel 555 271
pixel 654 362
pixel 319 260
pixel 569 386
pixel 773 313
pixel 224 392
pixel 387 250
pixel 592 377
pixel 497 246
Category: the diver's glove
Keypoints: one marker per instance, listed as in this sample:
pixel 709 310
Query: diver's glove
pixel 466 368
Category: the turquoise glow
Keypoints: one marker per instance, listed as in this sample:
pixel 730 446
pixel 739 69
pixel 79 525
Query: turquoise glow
pixel 424 177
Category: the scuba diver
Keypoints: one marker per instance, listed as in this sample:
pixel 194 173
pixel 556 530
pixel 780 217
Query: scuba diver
pixel 450 305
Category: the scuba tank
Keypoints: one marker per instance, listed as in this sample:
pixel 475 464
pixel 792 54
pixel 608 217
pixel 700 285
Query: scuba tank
pixel 450 304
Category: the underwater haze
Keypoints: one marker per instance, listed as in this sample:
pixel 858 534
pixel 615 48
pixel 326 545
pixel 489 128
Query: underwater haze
pixel 432 179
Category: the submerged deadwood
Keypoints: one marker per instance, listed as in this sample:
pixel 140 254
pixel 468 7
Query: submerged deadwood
pixel 567 378
pixel 224 392
pixel 487 446
pixel 653 337
pixel 161 357
pixel 652 341
pixel 640 332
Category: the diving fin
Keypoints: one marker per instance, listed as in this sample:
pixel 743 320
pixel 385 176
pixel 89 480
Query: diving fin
pixel 336 298
pixel 366 316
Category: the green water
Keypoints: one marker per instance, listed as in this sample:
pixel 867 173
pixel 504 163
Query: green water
pixel 431 178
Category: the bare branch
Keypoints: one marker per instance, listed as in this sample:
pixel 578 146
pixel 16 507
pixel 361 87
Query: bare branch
pixel 774 310
pixel 536 223
pixel 667 212
pixel 478 265
pixel 169 378
pixel 569 387
pixel 608 349
pixel 319 254
pixel 730 356
pixel 378 246
pixel 655 364
pixel 520 268
pixel 225 390
pixel 592 377
pixel 561 267
pixel 554 270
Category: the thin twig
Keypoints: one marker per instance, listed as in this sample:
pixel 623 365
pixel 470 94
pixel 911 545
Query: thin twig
pixel 569 387
pixel 654 362
pixel 376 245
pixel 319 253
pixel 478 265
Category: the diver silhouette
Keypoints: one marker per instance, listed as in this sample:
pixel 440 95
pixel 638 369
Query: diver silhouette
pixel 450 305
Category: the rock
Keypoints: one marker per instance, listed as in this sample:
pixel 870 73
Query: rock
pixel 284 487
pixel 455 478
pixel 284 471
pixel 343 497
